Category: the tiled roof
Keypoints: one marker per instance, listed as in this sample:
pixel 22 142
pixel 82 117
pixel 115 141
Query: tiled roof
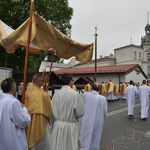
pixel 127 68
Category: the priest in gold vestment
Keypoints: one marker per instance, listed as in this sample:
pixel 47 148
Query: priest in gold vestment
pixel 39 107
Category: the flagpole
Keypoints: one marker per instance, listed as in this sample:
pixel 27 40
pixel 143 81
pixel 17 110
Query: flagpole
pixel 27 50
pixel 95 75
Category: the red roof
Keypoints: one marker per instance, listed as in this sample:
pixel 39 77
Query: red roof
pixel 127 68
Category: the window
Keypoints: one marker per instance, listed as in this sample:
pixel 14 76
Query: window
pixel 148 71
pixel 139 56
pixel 148 56
pixel 134 55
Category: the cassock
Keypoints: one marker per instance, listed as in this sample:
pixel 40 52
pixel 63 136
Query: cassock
pixel 143 93
pixel 92 122
pixel 67 107
pixel 131 93
pixel 13 120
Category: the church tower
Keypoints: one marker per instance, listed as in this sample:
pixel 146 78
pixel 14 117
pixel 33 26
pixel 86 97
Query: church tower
pixel 145 41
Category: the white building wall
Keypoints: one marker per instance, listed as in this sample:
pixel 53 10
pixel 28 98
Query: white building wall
pixel 135 77
pixel 126 55
pixel 123 55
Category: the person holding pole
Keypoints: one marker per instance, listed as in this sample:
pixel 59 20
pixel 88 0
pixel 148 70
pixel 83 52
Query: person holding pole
pixel 14 117
pixel 39 107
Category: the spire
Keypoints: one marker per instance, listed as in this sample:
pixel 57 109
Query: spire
pixel 147 17
pixel 131 39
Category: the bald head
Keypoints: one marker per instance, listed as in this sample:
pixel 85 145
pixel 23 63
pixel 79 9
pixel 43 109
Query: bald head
pixel 37 79
pixel 95 86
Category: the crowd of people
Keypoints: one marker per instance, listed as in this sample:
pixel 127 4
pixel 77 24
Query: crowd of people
pixel 128 91
pixel 78 118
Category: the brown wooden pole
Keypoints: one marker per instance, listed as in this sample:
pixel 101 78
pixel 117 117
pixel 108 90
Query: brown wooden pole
pixel 52 59
pixel 95 74
pixel 27 50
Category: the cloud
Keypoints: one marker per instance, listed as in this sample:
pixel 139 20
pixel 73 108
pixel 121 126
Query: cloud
pixel 117 21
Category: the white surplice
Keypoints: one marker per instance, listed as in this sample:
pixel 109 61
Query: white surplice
pixel 92 122
pixel 131 94
pixel 68 107
pixel 13 120
pixel 1 92
pixel 143 93
pixel 110 96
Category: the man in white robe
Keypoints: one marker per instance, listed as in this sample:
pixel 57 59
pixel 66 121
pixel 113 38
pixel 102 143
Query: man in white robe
pixel 131 94
pixel 1 92
pixel 92 122
pixel 67 107
pixel 14 118
pixel 143 93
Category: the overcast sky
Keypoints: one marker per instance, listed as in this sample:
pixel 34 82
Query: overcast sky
pixel 117 21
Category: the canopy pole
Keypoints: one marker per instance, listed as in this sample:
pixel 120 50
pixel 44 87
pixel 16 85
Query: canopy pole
pixel 95 75
pixel 27 51
pixel 52 59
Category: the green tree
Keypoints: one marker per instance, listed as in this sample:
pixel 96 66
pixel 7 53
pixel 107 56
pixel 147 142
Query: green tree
pixel 56 12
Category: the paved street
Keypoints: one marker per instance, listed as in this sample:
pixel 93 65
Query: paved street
pixel 121 133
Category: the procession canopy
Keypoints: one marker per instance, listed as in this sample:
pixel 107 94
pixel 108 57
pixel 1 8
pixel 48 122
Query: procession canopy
pixel 46 37
pixel 4 30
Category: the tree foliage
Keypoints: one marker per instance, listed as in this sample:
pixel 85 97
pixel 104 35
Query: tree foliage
pixel 15 12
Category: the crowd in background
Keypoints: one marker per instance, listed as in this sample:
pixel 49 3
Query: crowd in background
pixel 68 120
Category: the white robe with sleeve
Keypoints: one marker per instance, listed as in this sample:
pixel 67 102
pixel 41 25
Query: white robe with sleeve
pixel 13 120
pixel 143 93
pixel 1 92
pixel 131 94
pixel 68 107
pixel 92 122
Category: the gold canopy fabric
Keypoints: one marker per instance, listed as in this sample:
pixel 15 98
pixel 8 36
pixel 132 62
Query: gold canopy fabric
pixel 4 30
pixel 46 37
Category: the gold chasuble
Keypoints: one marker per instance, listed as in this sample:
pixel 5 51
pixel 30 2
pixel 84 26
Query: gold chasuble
pixel 110 87
pixel 122 88
pixel 102 90
pixel 39 107
pixel 87 88
pixel 116 87
pixel 74 87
